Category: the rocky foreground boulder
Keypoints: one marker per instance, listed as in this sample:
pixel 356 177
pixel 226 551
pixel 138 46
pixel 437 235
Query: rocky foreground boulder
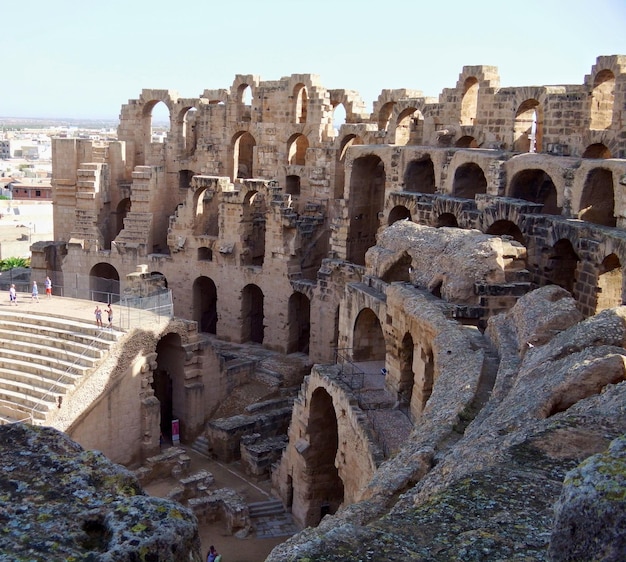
pixel 496 490
pixel 60 502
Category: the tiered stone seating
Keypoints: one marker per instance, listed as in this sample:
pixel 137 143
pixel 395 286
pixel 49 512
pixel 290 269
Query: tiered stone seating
pixel 43 357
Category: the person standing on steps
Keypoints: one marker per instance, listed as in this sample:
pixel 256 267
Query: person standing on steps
pixel 48 286
pixel 110 315
pixel 98 314
pixel 13 295
pixel 35 293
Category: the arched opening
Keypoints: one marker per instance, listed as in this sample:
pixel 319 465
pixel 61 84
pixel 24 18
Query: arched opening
pixel 104 283
pixel 384 116
pixel 297 146
pixel 326 489
pixel 205 253
pixel 368 338
pixel 466 141
pixel 399 271
pixel 469 179
pixel 244 106
pixel 398 213
pixel 299 323
pixel 419 176
pixel 405 385
pixel 160 122
pixel 409 127
pixel 184 179
pixel 446 219
pixel 536 186
pixel 597 204
pixel 243 151
pixel 597 151
pixel 302 103
pixel 610 281
pixel 367 195
pixel 169 382
pixel 253 222
pixel 424 369
pixel 206 218
pixel 527 130
pixel 252 315
pixel 339 118
pixel 469 103
pixel 507 228
pixel 205 304
pixel 340 180
pixel 602 99
pixel 189 129
pixel 562 263
pixel 123 208
pixel 292 185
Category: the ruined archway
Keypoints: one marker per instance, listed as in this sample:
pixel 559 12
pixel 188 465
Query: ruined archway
pixel 301 103
pixel 340 182
pixel 400 270
pixel 206 205
pixel 384 115
pixel 188 127
pixel 243 151
pixel 296 149
pixel 610 281
pixel 104 283
pixel 602 99
pixel 409 127
pixel 405 385
pixel 469 102
pixel 423 381
pixel 597 204
pixel 367 195
pixel 536 186
pixel 507 228
pixel 252 314
pixel 299 327
pixel 527 129
pixel 446 219
pixel 597 151
pixel 398 213
pixel 253 227
pixel 158 121
pixel 419 176
pixel 169 382
pixel 204 311
pixel 466 141
pixel 469 180
pixel 562 264
pixel 122 209
pixel 368 338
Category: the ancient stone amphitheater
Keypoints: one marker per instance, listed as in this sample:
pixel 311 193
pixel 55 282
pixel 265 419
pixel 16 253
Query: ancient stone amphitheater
pixel 410 320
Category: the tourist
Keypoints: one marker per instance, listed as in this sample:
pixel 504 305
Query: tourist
pixel 110 315
pixel 13 295
pixel 35 293
pixel 98 313
pixel 212 555
pixel 48 286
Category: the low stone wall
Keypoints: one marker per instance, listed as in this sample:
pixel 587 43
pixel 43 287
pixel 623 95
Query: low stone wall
pixel 258 454
pixel 224 504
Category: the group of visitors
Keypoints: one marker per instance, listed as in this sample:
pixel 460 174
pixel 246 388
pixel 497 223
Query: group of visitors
pixel 34 296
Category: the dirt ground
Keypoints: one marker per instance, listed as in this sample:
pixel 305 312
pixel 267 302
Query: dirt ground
pixel 232 549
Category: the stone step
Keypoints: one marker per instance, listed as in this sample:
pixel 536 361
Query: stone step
pixel 38 358
pixel 201 446
pixel 266 508
pixel 85 354
pixel 41 370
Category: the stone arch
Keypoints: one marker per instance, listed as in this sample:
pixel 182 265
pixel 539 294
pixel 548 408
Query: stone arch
pixel 204 294
pixel 597 203
pixel 407 376
pixel 597 151
pixel 301 102
pixel 253 227
pixel 536 185
pixel 400 270
pixel 398 213
pixel 506 228
pixel 122 209
pixel 326 489
pixel 469 102
pixel 157 120
pixel 252 314
pixel 340 180
pixel 206 213
pixel 528 127
pixel 243 152
pixel 610 283
pixel 419 176
pixel 368 339
pixel 367 196
pixel 466 141
pixel 562 264
pixel 384 115
pixel 424 379
pixel 339 117
pixel 299 323
pixel 446 219
pixel 469 180
pixel 104 283
pixel 296 149
pixel 602 99
pixel 186 121
pixel 244 99
pixel 409 127
pixel 168 382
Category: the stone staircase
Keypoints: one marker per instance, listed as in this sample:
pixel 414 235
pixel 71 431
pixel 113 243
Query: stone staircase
pixel 43 357
pixel 267 508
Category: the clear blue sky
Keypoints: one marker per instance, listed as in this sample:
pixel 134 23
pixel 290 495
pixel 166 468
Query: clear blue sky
pixel 85 58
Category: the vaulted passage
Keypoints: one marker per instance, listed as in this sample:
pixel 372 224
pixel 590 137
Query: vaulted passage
pixel 562 265
pixel 597 204
pixel 369 341
pixel 469 179
pixel 610 279
pixel 169 382
pixel 299 323
pixel 205 304
pixel 104 283
pixel 536 186
pixel 419 176
pixel 252 316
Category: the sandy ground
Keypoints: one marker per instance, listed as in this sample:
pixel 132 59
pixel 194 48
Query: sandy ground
pixel 232 549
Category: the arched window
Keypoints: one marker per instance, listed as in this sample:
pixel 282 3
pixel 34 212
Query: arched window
pixel 602 100
pixel 469 103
